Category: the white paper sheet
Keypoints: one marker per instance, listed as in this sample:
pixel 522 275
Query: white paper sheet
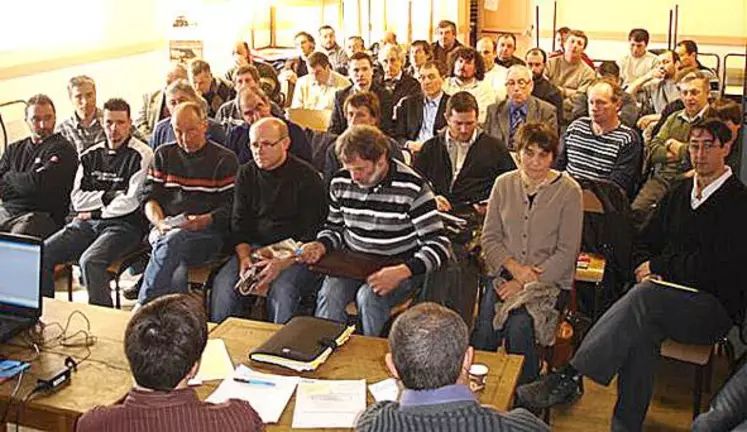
pixel 329 403
pixel 215 364
pixel 268 400
pixel 386 390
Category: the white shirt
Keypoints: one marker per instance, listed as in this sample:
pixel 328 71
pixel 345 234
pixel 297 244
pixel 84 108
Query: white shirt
pixel 632 68
pixel 707 191
pixel 481 90
pixel 497 79
pixel 458 152
pixel 309 94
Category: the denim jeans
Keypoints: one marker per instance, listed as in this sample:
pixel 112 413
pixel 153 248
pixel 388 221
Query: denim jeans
pixel 283 297
pixel 626 341
pixel 171 256
pixel 373 309
pixel 94 244
pixel 517 333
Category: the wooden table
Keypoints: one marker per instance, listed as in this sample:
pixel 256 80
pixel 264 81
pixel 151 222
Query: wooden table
pixel 360 357
pixel 103 379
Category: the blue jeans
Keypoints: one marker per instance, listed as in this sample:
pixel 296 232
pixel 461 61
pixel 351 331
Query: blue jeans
pixel 282 299
pixel 373 309
pixel 729 407
pixel 95 244
pixel 172 255
pixel 517 333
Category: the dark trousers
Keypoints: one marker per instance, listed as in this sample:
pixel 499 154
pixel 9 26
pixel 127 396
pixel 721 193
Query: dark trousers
pixel 729 408
pixel 35 224
pixel 627 339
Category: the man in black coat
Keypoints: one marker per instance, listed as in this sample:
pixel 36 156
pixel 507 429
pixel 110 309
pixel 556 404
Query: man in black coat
pixel 399 83
pixel 418 118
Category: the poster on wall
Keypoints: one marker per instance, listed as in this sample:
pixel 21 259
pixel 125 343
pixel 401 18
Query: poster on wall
pixel 183 51
pixel 491 5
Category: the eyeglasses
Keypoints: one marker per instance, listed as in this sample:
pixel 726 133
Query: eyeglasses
pixel 521 83
pixel 256 145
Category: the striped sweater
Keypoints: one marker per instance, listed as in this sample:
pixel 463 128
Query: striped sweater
pixel 397 217
pixel 614 156
pixel 193 183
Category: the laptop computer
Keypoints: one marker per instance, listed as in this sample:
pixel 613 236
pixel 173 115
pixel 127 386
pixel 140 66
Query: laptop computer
pixel 20 283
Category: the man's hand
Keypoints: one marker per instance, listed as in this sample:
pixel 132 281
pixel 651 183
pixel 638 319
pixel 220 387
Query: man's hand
pixel 507 289
pixel 385 280
pixel 311 253
pixel 643 271
pixel 83 216
pixel 244 264
pixel 414 146
pixel 646 120
pixel 673 149
pixel 442 204
pixel 197 222
pixel 271 268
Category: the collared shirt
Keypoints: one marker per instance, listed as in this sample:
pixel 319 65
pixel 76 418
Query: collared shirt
pixel 496 76
pixel 481 90
pixel 80 136
pixel 391 83
pixel 441 395
pixel 695 200
pixel 697 117
pixel 336 55
pixel 310 94
pixel 659 93
pixel 458 151
pixel 430 110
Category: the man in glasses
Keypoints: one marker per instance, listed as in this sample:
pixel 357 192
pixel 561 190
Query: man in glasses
pixel 504 118
pixel 690 241
pixel 277 196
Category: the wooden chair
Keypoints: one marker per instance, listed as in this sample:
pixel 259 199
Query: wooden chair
pixel 700 356
pixel 201 278
pixel 313 119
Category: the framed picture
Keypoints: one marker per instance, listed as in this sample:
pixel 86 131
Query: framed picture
pixel 183 51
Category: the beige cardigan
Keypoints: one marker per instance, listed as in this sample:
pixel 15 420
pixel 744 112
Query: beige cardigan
pixel 547 235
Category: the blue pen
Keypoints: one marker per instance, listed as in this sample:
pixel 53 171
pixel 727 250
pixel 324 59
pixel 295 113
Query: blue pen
pixel 254 381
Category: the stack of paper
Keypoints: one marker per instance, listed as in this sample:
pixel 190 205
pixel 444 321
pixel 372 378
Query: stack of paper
pixel 328 403
pixel 385 390
pixel 215 364
pixel 268 394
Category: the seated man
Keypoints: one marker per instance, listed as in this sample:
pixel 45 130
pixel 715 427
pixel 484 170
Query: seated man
pixel 378 206
pixel 254 106
pixel 504 118
pixel 297 67
pixel 418 55
pixel 467 74
pixel 155 108
pixel 730 113
pixel 83 129
pixel 215 90
pixel 462 163
pixel 418 118
pixel 543 89
pixel 36 175
pixel 277 196
pixel 495 74
pixel 687 50
pixel 569 72
pixel 656 89
pixel 628 110
pixel 360 71
pixel 229 114
pixel 353 44
pixel 506 49
pixel 164 342
pixel 690 240
pixel 330 48
pixel 191 179
pixel 445 45
pixel 360 109
pixel 108 223
pixel 316 90
pixel 242 56
pixel 667 151
pixel 639 61
pixel 561 36
pixel 394 79
pixel 178 92
pixel 430 355
pixel 600 147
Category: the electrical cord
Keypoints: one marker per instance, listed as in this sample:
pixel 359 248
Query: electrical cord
pixel 12 396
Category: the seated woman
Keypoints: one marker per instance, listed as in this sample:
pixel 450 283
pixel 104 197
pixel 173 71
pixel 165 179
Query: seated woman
pixel 530 241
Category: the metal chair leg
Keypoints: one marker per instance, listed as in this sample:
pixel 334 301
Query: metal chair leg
pixel 70 283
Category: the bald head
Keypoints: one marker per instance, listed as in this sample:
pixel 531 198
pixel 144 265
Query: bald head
pixel 269 142
pixel 486 47
pixel 189 122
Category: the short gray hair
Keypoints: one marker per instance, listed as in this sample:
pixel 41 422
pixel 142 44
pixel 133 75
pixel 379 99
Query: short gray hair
pixel 428 344
pixel 182 86
pixel 78 81
pixel 196 107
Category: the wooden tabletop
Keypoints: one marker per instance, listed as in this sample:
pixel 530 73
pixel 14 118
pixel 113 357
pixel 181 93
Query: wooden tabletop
pixel 360 357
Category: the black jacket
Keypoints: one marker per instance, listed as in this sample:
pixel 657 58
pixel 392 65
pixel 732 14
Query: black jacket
pixel 406 86
pixel 549 92
pixel 487 159
pixel 408 117
pixel 338 123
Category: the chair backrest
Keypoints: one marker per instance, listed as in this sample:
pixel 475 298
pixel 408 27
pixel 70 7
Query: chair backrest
pixel 312 119
pixel 591 201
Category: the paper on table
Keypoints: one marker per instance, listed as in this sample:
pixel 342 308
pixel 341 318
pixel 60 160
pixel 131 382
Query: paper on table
pixel 329 403
pixel 216 363
pixel 386 390
pixel 268 401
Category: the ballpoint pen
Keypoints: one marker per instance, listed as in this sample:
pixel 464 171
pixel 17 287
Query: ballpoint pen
pixel 254 381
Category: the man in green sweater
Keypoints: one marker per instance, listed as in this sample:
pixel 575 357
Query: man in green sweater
pixel 430 355
pixel 667 152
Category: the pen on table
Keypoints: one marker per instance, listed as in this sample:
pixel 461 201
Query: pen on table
pixel 254 381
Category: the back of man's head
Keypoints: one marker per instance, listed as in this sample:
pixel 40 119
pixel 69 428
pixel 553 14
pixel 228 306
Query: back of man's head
pixel 428 344
pixel 164 340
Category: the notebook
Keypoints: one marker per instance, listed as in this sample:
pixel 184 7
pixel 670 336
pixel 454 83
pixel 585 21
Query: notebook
pixel 303 344
pixel 20 285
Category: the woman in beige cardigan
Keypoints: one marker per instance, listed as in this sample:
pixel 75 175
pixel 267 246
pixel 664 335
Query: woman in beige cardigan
pixel 530 242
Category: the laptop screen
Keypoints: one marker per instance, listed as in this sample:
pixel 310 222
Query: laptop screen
pixel 20 272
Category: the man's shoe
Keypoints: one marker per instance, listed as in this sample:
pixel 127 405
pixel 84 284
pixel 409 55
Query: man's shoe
pixel 552 389
pixel 132 292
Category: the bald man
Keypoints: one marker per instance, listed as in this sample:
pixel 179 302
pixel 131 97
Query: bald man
pixel 277 196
